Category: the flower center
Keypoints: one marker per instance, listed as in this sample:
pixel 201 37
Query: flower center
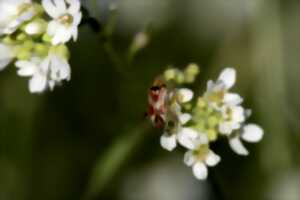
pixel 217 96
pixel 66 19
pixel 202 152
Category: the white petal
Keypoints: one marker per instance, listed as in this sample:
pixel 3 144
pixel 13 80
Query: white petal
pixel 60 68
pixel 187 138
pixel 51 9
pixel 168 142
pixel 4 63
pixel 74 33
pixel 62 35
pixel 237 146
pixel 37 84
pixel 252 133
pixel 52 27
pixel 184 118
pixel 210 85
pixel 26 68
pixel 60 4
pixel 74 6
pixel 200 171
pixel 225 128
pixel 232 99
pixel 238 114
pixel 202 139
pixel 185 95
pixel 77 19
pixel 212 159
pixel 189 158
pixel 228 77
pixel 34 28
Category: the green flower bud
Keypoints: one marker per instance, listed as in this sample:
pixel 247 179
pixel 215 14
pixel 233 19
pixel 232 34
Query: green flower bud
pixel 28 45
pixel 201 103
pixel 191 72
pixel 8 40
pixel 212 134
pixel 140 41
pixel 38 9
pixel 21 37
pixel 170 74
pixel 179 78
pixel 47 38
pixel 23 54
pixel 212 121
pixel 41 50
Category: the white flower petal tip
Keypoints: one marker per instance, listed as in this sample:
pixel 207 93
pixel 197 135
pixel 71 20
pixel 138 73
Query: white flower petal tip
pixel 187 138
pixel 184 118
pixel 168 142
pixel 189 158
pixel 228 77
pixel 37 84
pixel 237 146
pixel 185 95
pixel 200 171
pixel 233 99
pixel 212 159
pixel 252 133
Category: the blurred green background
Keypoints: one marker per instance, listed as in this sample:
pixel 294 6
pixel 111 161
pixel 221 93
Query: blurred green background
pixel 88 139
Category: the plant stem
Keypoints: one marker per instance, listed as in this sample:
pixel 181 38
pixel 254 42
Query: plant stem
pixel 111 162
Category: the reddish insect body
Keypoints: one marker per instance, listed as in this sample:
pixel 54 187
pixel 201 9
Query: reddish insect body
pixel 157 104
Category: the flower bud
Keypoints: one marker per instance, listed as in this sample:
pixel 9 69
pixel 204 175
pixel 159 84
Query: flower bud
pixel 36 27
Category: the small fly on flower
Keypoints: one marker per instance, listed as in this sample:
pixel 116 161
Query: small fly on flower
pixel 157 97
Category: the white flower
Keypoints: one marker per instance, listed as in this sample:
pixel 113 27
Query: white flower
pixel 218 92
pixel 225 81
pixel 190 138
pixel 249 133
pixel 36 70
pixel 45 72
pixel 13 13
pixel 200 157
pixel 66 18
pixel 233 117
pixel 6 55
pixel 168 140
pixel 228 77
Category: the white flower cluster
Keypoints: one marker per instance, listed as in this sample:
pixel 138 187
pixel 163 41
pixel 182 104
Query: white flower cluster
pixel 34 36
pixel 196 124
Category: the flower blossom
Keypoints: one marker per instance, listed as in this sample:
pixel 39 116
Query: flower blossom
pixel 45 73
pixel 249 133
pixel 176 119
pixel 195 125
pixel 13 13
pixel 200 157
pixel 66 18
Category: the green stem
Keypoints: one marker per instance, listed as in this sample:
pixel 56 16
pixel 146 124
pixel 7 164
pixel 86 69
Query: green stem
pixel 114 57
pixel 111 162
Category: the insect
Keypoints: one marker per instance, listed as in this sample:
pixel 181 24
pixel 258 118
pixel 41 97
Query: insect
pixel 157 97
